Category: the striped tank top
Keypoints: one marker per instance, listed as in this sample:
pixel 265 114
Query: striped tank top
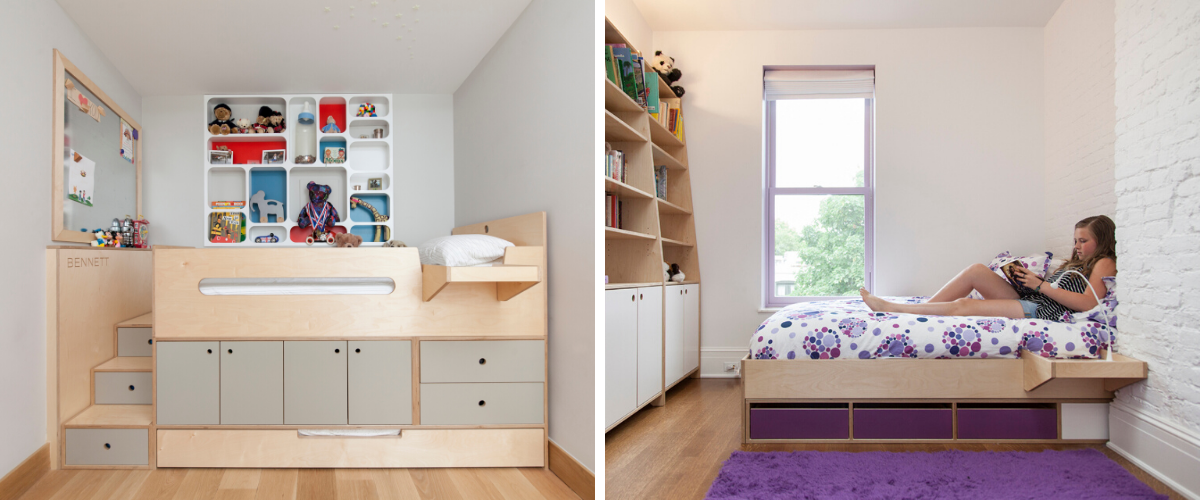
pixel 1048 308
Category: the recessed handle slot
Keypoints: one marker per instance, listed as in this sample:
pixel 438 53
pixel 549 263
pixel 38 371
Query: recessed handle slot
pixel 297 286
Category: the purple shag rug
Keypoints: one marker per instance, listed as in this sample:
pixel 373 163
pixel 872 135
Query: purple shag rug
pixel 1084 473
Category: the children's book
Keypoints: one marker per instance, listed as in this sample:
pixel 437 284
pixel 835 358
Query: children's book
pixel 624 60
pixel 226 227
pixel 608 64
pixel 652 94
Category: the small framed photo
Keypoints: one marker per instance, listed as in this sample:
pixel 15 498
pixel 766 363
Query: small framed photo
pixel 217 157
pixel 274 156
pixel 375 184
pixel 334 154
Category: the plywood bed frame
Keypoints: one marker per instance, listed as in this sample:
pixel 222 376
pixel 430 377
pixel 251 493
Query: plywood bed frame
pixel 494 308
pixel 948 382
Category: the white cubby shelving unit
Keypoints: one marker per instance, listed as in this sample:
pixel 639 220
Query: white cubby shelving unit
pixel 366 158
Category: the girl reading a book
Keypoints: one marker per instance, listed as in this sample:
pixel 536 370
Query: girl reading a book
pixel 1094 256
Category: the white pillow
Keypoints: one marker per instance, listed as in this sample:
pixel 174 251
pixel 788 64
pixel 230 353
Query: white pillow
pixel 462 250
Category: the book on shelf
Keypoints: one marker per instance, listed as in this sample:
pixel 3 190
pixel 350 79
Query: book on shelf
pixel 660 181
pixel 609 70
pixel 612 211
pixel 228 204
pixel 652 100
pixel 639 78
pixel 623 58
pixel 614 165
pixel 227 227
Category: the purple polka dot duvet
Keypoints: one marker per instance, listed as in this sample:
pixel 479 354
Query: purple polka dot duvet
pixel 847 329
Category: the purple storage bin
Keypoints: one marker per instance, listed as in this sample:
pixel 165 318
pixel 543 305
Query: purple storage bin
pixel 1007 423
pixel 903 423
pixel 799 423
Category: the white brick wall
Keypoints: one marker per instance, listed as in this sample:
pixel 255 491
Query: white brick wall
pixel 1157 170
pixel 1080 118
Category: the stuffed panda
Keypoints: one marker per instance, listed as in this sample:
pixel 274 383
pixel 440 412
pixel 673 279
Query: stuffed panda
pixel 665 66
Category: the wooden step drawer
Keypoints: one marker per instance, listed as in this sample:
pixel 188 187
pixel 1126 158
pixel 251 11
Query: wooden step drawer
pixel 413 448
pixel 123 388
pixel 134 342
pixel 108 447
pixel 483 361
pixel 470 404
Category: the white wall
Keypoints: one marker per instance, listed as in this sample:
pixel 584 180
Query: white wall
pixel 958 111
pixel 423 162
pixel 626 17
pixel 29 31
pixel 1080 118
pixel 524 141
pixel 1157 165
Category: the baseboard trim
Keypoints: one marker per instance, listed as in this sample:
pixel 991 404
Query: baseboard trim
pixel 24 476
pixel 713 359
pixel 572 473
pixel 1164 450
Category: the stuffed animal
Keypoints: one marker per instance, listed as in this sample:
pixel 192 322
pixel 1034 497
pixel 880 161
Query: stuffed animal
pixel 666 272
pixel 395 244
pixel 277 122
pixel 676 274
pixel 243 126
pixel 347 240
pixel 262 125
pixel 330 127
pixel 665 66
pixel 319 214
pixel 222 125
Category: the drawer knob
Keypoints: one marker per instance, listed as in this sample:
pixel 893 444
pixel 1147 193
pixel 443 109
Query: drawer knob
pixel 482 361
pixel 482 403
pixel 131 387
pixel 107 446
pixel 337 350
pixel 357 349
pixel 210 351
pixel 231 351
pixel 150 341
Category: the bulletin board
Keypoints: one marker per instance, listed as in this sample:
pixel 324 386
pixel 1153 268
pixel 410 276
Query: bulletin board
pixel 97 157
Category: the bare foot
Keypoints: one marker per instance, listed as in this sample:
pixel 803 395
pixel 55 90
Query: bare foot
pixel 875 303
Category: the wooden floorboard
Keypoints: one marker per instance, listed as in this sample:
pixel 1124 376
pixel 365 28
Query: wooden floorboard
pixel 676 451
pixel 300 484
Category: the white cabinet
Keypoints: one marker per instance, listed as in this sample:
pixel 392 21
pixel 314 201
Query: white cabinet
pixel 650 343
pixel 691 327
pixel 681 317
pixel 620 353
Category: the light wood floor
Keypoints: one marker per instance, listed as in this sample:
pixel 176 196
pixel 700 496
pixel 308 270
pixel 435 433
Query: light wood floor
pixel 675 451
pixel 299 484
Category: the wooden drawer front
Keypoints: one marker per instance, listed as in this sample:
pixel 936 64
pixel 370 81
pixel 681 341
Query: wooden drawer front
pixel 314 382
pixel 903 423
pixel 468 404
pixel 123 388
pixel 799 423
pixel 1004 423
pixel 413 448
pixel 108 447
pixel 483 361
pixel 133 342
pixel 189 383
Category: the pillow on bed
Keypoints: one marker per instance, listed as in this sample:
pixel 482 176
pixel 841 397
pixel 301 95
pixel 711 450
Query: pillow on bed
pixel 1108 304
pixel 462 250
pixel 1040 264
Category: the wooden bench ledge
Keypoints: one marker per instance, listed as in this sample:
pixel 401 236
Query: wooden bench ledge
pixel 1118 373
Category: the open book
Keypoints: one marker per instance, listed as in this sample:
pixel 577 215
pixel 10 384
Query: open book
pixel 1010 272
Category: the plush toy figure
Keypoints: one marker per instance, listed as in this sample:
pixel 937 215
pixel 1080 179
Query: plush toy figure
pixel 330 127
pixel 395 244
pixel 665 66
pixel 277 122
pixel 262 125
pixel 676 274
pixel 347 240
pixel 242 126
pixel 222 125
pixel 319 213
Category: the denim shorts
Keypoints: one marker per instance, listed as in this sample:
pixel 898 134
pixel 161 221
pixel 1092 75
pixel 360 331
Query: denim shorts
pixel 1030 308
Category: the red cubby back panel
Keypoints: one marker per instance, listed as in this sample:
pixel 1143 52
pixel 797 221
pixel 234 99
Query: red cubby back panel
pixel 245 151
pixel 338 111
pixel 301 234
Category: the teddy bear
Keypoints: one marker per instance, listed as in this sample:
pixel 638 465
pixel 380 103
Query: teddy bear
pixel 672 273
pixel 665 66
pixel 347 240
pixel 395 244
pixel 242 126
pixel 223 124
pixel 262 125
pixel 319 214
pixel 277 122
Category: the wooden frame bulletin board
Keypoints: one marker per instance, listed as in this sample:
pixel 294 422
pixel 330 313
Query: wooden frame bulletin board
pixel 113 113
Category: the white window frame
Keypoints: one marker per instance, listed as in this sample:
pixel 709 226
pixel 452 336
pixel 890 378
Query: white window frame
pixel 770 300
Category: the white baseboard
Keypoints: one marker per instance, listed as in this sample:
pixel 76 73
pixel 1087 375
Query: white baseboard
pixel 713 359
pixel 1166 451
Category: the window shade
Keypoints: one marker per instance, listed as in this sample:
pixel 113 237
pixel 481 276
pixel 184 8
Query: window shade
pixel 818 84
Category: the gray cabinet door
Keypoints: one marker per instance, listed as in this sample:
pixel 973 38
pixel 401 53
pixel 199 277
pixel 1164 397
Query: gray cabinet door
pixel 483 361
pixel 380 382
pixel 189 383
pixel 481 404
pixel 252 383
pixel 314 382
pixel 133 342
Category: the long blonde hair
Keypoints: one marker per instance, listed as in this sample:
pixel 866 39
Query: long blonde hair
pixel 1105 232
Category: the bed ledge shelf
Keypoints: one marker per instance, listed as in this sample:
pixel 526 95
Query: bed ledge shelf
pixel 515 276
pixel 1118 373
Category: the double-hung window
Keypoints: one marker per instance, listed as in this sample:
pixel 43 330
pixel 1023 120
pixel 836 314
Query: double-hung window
pixel 819 198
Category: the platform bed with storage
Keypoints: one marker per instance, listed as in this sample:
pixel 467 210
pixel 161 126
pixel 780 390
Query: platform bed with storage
pixel 1030 399
pixel 387 375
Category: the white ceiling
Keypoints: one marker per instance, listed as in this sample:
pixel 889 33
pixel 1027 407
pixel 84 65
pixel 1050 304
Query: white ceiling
pixel 180 47
pixel 710 15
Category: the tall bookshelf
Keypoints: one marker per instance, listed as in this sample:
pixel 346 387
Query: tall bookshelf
pixel 653 230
